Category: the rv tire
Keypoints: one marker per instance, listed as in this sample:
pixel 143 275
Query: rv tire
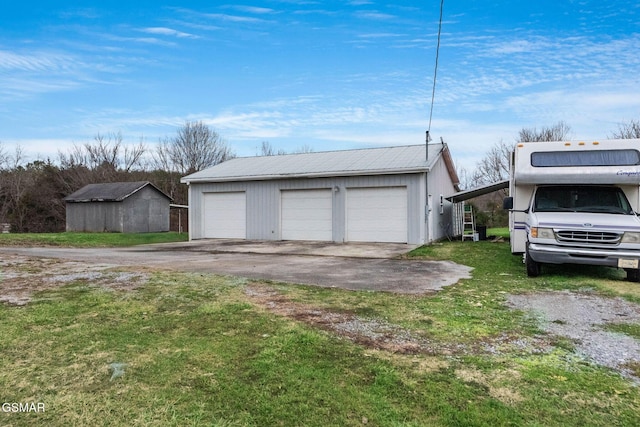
pixel 533 267
pixel 633 275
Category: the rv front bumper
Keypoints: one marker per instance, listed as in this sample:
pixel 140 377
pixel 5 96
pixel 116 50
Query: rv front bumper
pixel 550 254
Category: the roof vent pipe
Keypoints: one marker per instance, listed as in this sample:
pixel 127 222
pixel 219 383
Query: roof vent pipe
pixel 426 145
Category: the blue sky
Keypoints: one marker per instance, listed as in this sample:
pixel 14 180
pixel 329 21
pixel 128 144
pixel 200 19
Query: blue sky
pixel 323 74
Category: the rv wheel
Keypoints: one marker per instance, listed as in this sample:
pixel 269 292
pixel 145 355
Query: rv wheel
pixel 533 267
pixel 633 275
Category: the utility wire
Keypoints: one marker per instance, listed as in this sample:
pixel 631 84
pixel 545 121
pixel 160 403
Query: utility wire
pixel 435 70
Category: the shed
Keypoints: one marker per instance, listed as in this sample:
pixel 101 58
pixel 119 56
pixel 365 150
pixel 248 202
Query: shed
pixel 391 194
pixel 126 207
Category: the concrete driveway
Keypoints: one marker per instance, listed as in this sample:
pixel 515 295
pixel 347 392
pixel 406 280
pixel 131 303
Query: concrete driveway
pixel 353 266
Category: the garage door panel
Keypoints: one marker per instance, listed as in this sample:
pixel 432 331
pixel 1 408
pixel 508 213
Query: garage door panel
pixel 225 215
pixel 377 214
pixel 306 214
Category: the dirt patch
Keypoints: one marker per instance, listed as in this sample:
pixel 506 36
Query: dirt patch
pixel 378 334
pixel 21 277
pixel 581 318
pixel 495 383
pixel 371 333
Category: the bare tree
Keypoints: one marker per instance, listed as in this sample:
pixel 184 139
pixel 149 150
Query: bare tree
pixel 109 151
pixel 303 149
pixel 630 130
pixel 266 149
pixel 4 158
pixel 195 147
pixel 15 186
pixel 494 166
pixel 4 179
pixel 557 132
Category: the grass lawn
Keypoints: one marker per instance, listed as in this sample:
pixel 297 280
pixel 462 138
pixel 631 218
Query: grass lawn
pixel 89 239
pixel 191 349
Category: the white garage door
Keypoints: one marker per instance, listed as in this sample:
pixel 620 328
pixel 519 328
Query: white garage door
pixel 306 214
pixel 377 214
pixel 225 215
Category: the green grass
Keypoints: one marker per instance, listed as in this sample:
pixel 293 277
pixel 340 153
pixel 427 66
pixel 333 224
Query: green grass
pixel 499 232
pixel 89 239
pixel 199 351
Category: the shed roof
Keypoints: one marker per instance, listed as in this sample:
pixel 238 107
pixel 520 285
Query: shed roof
pixel 370 161
pixel 109 192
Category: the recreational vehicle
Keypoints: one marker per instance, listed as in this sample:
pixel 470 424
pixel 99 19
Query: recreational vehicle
pixel 576 202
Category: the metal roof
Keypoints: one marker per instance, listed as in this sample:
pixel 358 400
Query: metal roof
pixel 109 192
pixel 478 191
pixel 370 161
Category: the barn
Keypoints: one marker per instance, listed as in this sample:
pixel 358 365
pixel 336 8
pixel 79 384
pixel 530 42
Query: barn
pixel 391 194
pixel 125 207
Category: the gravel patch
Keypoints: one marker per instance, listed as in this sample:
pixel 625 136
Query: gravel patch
pixel 21 277
pixel 581 317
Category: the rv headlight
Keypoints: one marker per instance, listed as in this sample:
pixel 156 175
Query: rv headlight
pixel 629 237
pixel 542 233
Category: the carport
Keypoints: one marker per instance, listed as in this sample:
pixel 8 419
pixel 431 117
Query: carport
pixel 458 199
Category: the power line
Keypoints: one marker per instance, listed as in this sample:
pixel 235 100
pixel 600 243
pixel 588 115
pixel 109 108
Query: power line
pixel 435 69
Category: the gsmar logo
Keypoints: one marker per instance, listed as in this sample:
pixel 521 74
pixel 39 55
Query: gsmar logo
pixel 23 407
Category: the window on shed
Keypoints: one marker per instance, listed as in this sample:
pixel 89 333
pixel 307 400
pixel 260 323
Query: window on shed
pixel 586 158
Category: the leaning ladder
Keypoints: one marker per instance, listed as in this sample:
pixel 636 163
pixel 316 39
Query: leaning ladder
pixel 468 224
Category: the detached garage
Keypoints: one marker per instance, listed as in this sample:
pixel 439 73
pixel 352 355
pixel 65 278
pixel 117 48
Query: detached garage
pixel 393 194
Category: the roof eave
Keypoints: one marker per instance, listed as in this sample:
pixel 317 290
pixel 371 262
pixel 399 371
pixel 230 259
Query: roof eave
pixel 421 169
pixel 120 199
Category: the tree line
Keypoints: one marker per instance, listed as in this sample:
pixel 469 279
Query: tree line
pixel 32 193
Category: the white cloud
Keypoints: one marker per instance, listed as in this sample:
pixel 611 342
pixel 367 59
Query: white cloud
pixel 234 18
pixel 35 62
pixel 143 40
pixel 253 9
pixel 375 15
pixel 168 32
pixel 379 35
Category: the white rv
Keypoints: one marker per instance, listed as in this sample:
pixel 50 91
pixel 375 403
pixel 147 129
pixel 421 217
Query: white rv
pixel 576 203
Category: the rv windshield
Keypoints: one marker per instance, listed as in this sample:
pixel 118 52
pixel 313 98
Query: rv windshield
pixel 594 199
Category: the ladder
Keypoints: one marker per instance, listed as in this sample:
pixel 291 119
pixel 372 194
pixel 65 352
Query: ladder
pixel 468 223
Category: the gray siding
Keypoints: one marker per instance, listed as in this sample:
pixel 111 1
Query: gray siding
pixel 94 217
pixel 440 184
pixel 263 202
pixel 146 210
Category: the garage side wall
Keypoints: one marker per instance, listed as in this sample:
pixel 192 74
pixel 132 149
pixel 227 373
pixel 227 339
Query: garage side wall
pixel 263 202
pixel 441 214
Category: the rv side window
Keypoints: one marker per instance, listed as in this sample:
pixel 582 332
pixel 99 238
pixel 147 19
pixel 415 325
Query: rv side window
pixel 586 158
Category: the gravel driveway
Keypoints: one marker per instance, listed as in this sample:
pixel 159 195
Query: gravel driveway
pixel 582 317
